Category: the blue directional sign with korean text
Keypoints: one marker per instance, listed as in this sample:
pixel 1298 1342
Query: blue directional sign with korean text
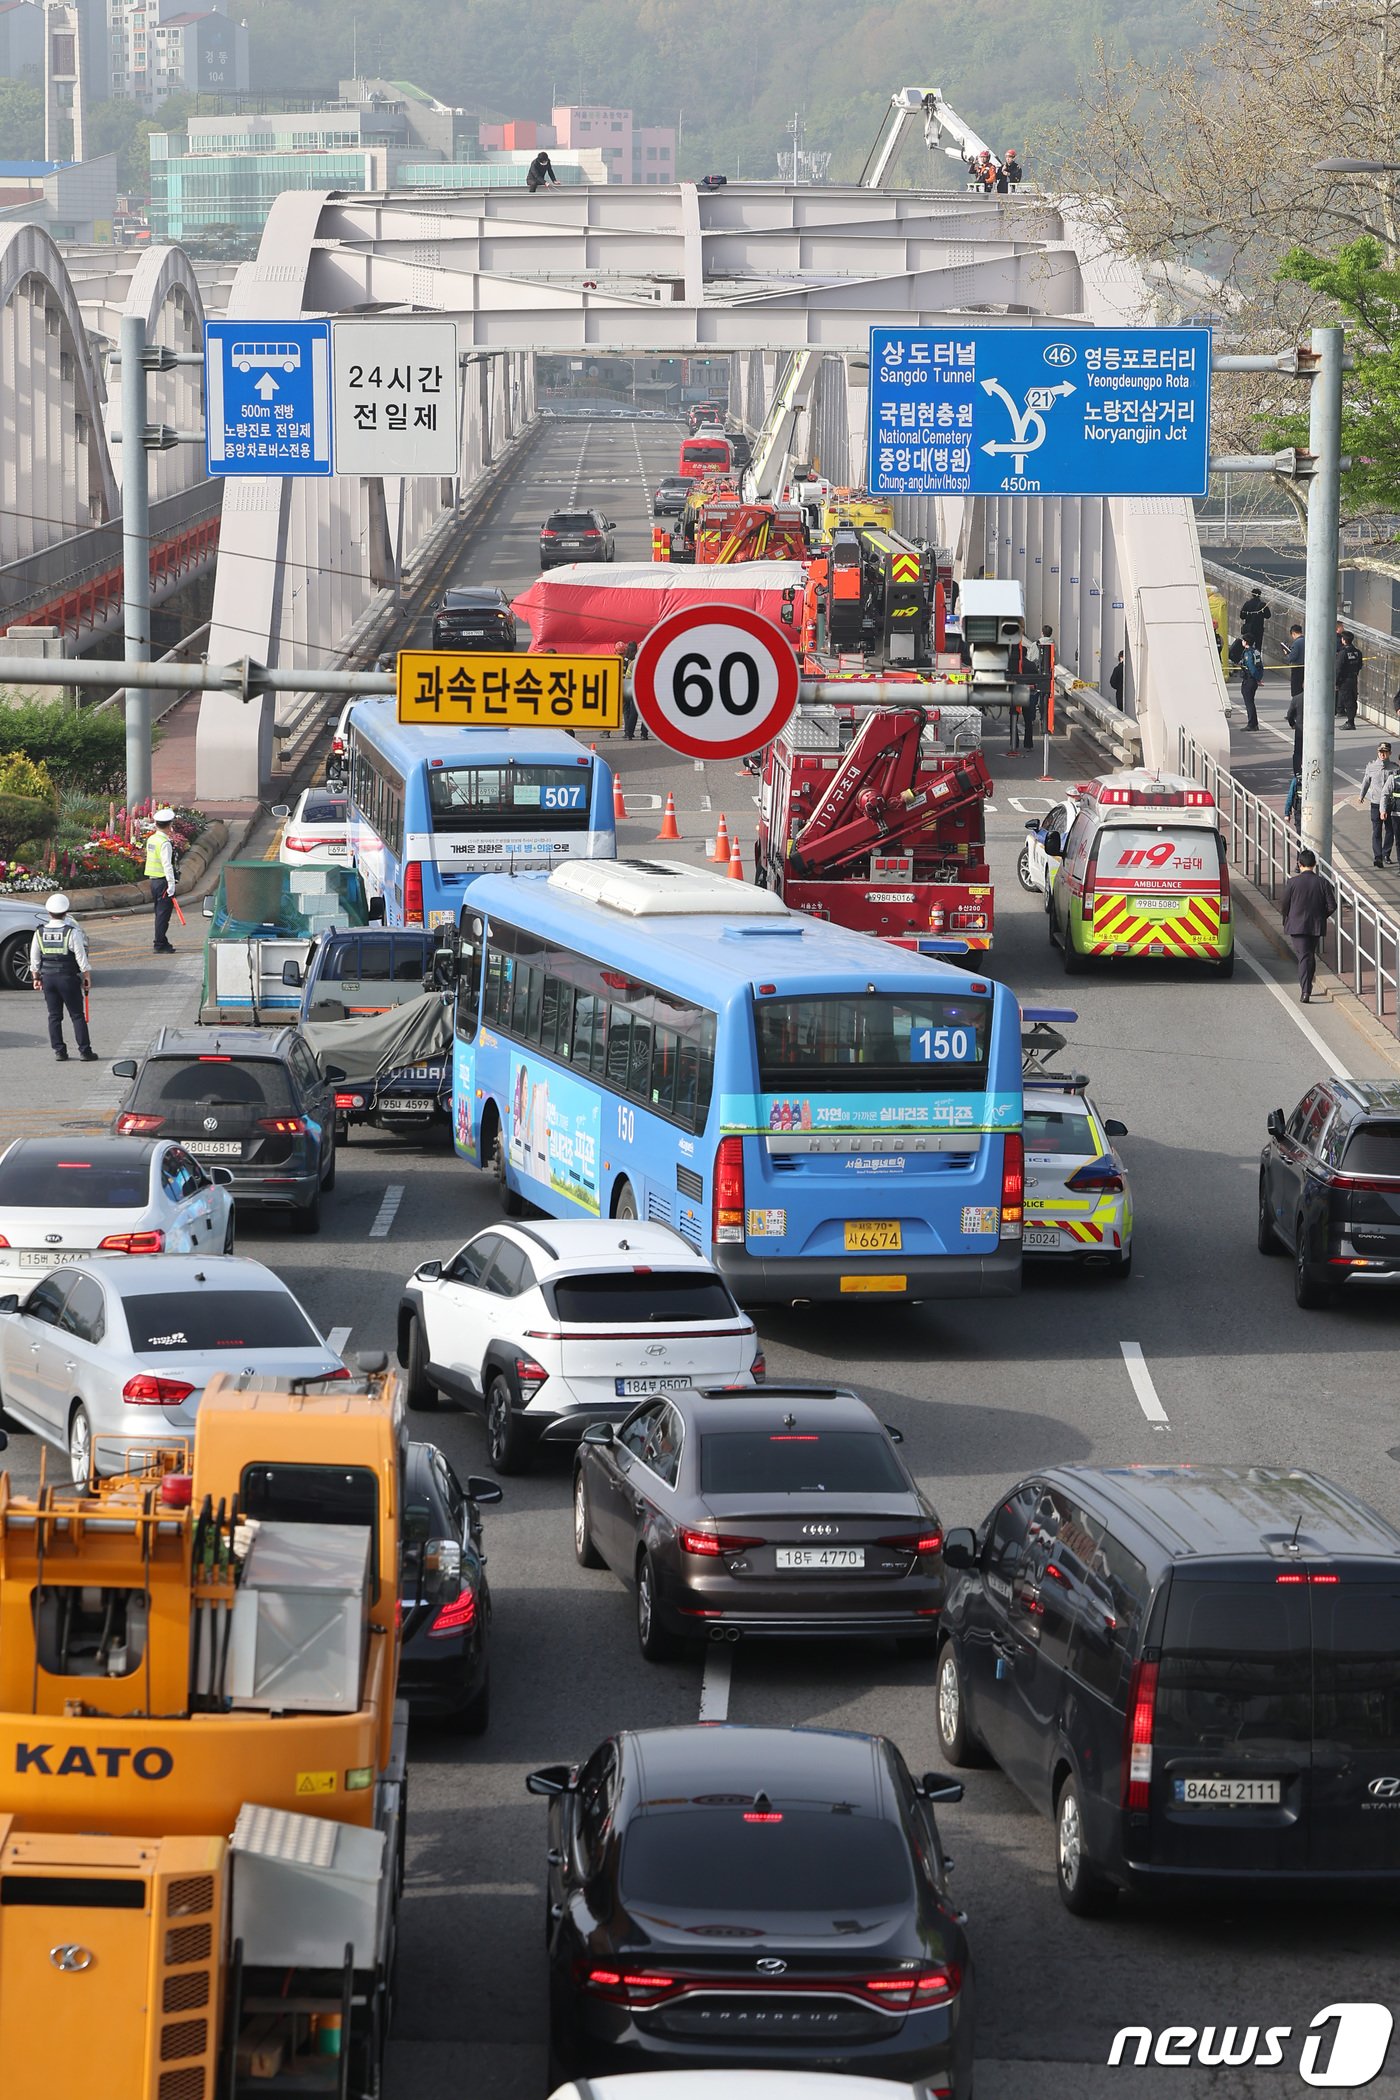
pixel 1039 411
pixel 267 397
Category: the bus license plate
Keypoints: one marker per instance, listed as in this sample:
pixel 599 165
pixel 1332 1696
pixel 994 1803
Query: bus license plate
pixel 1227 1793
pixel 821 1556
pixel 873 1236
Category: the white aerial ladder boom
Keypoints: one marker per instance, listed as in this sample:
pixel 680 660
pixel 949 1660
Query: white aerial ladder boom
pixel 776 446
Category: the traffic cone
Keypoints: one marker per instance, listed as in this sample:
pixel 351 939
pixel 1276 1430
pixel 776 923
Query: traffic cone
pixel 721 851
pixel 669 827
pixel 736 864
pixel 619 804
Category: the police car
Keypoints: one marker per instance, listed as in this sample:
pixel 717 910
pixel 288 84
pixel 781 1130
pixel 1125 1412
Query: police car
pixel 1079 1205
pixel 1035 868
pixel 1141 873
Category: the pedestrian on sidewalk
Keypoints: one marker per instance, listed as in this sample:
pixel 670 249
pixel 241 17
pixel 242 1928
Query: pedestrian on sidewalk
pixel 58 964
pixel 1115 681
pixel 160 873
pixel 1349 662
pixel 1376 784
pixel 1253 613
pixel 1251 675
pixel 1308 904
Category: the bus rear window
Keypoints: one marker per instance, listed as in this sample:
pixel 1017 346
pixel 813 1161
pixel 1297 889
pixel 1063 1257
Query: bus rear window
pixel 856 1040
pixel 521 798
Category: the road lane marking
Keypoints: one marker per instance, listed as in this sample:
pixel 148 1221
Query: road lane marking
pixel 1142 1384
pixel 336 1340
pixel 714 1686
pixel 387 1212
pixel 1299 1019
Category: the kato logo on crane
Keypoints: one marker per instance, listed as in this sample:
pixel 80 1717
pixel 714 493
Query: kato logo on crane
pixel 76 1762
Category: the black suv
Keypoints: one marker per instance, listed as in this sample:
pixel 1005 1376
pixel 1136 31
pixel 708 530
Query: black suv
pixel 576 535
pixel 1195 1670
pixel 1329 1188
pixel 254 1100
pixel 474 617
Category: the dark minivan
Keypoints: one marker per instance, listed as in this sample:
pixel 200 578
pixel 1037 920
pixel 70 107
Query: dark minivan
pixel 1329 1188
pixel 1194 1669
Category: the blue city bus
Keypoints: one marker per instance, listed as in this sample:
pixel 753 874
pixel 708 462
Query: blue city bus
pixel 432 809
pixel 823 1114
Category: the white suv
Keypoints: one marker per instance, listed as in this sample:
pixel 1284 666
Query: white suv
pixel 556 1325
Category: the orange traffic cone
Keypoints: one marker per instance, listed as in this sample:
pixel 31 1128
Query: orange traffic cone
pixel 619 805
pixel 721 851
pixel 736 864
pixel 669 827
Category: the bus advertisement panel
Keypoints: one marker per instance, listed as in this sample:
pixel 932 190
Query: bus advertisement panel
pixel 431 809
pixel 822 1114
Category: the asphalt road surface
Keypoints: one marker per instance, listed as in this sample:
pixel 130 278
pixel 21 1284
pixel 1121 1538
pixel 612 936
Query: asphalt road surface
pixel 981 1392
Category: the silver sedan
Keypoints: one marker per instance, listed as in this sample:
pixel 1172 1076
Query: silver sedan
pixel 63 1198
pixel 111 1356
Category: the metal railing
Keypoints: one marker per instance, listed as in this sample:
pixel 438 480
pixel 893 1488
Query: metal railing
pixel 1362 942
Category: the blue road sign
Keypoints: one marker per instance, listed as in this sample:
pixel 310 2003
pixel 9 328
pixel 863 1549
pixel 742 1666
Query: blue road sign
pixel 267 397
pixel 1039 411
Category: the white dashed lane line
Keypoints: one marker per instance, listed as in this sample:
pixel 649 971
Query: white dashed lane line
pixel 1142 1385
pixel 387 1212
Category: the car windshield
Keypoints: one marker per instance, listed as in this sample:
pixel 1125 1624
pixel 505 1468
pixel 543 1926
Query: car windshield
pixel 200 1319
pixel 805 1859
pixel 792 1462
pixel 638 1298
pixel 1057 1130
pixel 214 1082
pixel 30 1181
pixel 1373 1149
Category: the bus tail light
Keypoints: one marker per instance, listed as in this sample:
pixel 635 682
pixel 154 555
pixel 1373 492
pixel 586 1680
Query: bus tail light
pixel 413 893
pixel 1013 1185
pixel 729 1192
pixel 1137 1751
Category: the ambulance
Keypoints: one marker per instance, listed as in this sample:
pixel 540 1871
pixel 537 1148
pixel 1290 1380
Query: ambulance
pixel 1141 873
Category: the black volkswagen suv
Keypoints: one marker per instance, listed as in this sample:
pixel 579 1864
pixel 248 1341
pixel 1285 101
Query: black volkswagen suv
pixel 254 1100
pixel 1329 1188
pixel 1195 1670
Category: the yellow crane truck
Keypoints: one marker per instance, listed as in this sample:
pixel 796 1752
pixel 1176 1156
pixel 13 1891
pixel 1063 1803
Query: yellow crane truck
pixel 202 1758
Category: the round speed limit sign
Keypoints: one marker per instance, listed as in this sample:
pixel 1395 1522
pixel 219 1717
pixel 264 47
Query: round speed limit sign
pixel 715 681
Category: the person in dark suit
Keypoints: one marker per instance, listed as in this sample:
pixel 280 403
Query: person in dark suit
pixel 1308 903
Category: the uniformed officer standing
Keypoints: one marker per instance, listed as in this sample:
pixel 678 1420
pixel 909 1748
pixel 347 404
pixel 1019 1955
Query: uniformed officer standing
pixel 58 963
pixel 160 873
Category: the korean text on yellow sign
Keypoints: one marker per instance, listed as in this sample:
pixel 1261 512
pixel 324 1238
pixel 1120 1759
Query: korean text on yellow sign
pixel 480 690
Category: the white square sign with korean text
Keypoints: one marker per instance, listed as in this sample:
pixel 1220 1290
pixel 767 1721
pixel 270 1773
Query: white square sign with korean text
pixel 394 393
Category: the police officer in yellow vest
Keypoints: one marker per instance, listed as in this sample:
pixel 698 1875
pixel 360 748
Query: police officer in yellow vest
pixel 160 873
pixel 58 964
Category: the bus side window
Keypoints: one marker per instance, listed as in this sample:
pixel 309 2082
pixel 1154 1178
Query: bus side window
pixel 532 1021
pixel 619 1040
pixel 707 1070
pixel 639 1066
pixel 688 1084
pixel 585 1029
pixel 496 999
pixel 520 997
pixel 663 1070
pixel 563 1019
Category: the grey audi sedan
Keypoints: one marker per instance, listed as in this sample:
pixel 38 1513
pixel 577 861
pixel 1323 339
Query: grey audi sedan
pixel 760 1512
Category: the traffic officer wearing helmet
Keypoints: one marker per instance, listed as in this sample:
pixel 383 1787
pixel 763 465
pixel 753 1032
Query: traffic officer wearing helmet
pixel 58 964
pixel 160 873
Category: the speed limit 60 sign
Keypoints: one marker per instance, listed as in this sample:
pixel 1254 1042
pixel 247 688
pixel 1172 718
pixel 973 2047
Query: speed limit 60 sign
pixel 715 681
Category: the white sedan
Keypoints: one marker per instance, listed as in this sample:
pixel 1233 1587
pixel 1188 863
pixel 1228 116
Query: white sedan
pixel 64 1198
pixel 555 1326
pixel 317 832
pixel 112 1356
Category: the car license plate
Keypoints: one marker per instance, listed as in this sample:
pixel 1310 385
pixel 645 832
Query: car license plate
pixel 821 1556
pixel 333 849
pixel 396 1105
pixel 874 1283
pixel 1227 1793
pixel 213 1148
pixel 630 1388
pixel 1036 1239
pixel 873 1236
pixel 45 1258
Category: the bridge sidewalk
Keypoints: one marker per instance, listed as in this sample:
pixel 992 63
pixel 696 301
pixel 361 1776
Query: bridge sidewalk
pixel 172 769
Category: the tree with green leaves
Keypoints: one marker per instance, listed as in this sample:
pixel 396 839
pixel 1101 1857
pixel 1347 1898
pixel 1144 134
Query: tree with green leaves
pixel 21 121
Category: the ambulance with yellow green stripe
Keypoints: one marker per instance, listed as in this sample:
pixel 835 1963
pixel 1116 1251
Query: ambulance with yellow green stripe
pixel 1141 874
